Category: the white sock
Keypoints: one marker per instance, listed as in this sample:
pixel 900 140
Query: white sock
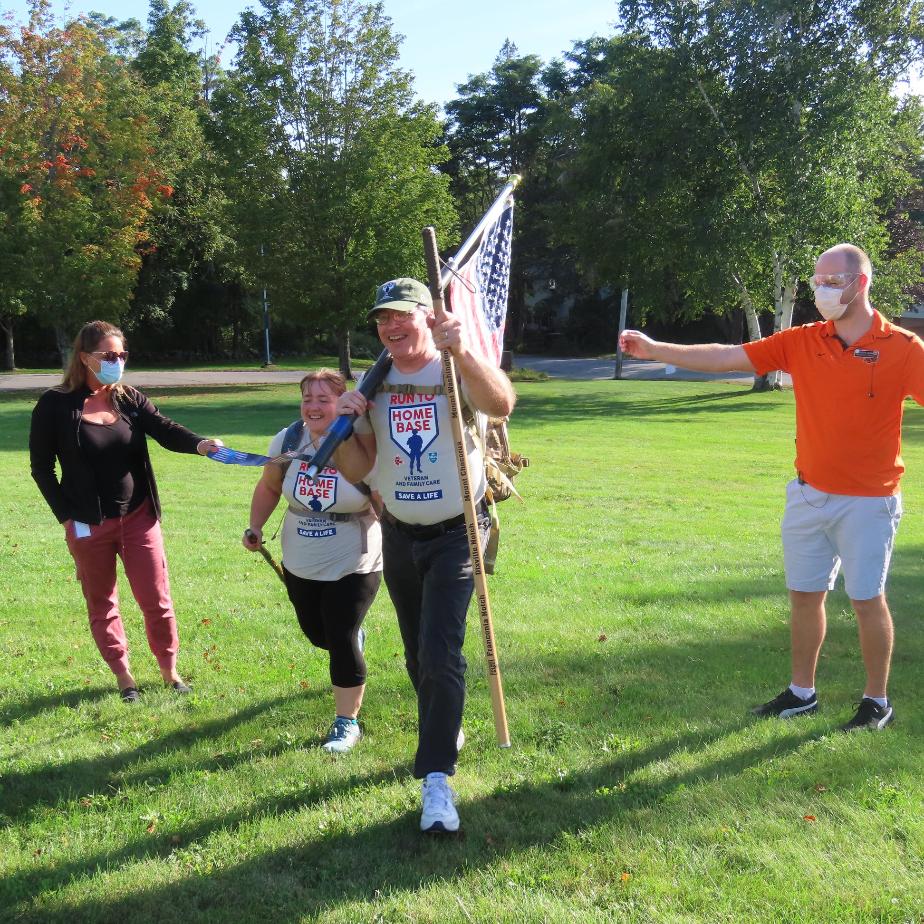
pixel 882 701
pixel 802 692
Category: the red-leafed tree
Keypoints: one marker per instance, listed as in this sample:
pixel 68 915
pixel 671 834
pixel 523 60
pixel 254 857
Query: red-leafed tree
pixel 78 174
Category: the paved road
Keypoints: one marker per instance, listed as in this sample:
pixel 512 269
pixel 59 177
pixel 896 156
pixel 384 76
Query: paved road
pixel 567 368
pixel 602 368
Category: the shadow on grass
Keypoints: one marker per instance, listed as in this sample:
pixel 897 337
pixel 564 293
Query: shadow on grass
pixel 44 786
pixel 539 408
pixel 328 870
pixel 23 710
pixel 332 869
pixel 392 856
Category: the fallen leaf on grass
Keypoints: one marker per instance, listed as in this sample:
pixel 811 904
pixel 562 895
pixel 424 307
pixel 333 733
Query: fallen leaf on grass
pixel 602 637
pixel 820 787
pixel 206 622
pixel 625 877
pixel 303 684
pixel 151 828
pixel 809 818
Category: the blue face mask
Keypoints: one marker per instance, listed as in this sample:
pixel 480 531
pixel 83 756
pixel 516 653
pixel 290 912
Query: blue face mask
pixel 110 373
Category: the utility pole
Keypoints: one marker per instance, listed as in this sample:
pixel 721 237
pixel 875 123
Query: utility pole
pixel 623 308
pixel 266 339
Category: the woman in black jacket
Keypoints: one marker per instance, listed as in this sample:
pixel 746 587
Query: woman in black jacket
pixel 106 496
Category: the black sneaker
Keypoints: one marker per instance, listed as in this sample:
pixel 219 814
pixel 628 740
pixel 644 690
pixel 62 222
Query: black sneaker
pixel 870 715
pixel 786 705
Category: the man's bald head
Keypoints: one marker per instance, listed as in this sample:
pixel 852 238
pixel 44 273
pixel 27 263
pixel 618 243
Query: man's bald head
pixel 845 258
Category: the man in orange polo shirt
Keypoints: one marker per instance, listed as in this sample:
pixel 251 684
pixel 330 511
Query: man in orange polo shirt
pixel 851 374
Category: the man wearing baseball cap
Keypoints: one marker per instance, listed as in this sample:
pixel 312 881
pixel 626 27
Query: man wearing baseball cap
pixel 851 374
pixel 405 436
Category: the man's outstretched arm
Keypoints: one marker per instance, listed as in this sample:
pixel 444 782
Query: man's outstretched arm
pixel 700 357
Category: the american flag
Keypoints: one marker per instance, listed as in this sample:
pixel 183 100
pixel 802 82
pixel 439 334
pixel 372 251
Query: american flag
pixel 479 297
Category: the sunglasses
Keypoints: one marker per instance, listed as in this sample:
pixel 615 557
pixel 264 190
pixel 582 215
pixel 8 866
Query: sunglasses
pixel 110 356
pixel 835 280
pixel 383 318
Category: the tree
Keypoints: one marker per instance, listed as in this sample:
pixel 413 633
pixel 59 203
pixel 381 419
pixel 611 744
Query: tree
pixel 502 122
pixel 13 275
pixel 185 284
pixel 330 158
pixel 767 128
pixel 74 134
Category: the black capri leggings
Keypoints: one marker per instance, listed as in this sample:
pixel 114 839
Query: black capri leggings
pixel 330 614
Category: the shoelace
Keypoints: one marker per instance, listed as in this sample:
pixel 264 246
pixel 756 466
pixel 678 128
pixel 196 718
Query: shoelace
pixel 340 729
pixel 441 794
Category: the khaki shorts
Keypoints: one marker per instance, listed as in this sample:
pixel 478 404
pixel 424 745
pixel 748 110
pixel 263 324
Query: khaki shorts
pixel 822 531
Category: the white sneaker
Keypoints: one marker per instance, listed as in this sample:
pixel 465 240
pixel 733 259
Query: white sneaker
pixel 343 734
pixel 439 811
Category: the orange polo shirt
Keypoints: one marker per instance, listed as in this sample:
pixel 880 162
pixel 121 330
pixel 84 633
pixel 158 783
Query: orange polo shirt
pixel 849 401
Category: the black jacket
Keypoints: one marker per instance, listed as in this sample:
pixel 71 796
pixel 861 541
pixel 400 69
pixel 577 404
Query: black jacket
pixel 54 435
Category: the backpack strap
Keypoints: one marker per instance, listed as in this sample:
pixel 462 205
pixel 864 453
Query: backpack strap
pixel 293 435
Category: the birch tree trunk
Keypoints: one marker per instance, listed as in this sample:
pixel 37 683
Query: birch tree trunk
pixel 753 325
pixel 785 298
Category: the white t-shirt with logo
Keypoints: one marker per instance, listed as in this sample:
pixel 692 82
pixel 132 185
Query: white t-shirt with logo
pixel 315 546
pixel 416 471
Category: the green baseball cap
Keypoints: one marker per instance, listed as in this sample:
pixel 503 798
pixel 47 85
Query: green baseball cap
pixel 401 295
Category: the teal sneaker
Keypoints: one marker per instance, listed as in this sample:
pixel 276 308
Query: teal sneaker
pixel 343 735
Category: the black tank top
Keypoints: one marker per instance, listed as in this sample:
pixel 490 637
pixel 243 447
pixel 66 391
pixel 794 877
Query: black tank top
pixel 118 466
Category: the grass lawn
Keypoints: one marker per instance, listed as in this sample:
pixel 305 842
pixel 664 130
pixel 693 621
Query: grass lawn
pixel 640 609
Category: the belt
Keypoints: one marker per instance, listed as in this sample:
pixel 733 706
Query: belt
pixel 430 530
pixel 336 517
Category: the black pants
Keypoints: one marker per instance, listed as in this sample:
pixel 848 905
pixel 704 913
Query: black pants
pixel 430 584
pixel 330 614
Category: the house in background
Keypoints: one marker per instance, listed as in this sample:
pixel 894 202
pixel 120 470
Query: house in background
pixel 913 320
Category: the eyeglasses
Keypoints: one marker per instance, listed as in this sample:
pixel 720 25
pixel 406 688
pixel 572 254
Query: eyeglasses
pixel 384 318
pixel 110 356
pixel 835 280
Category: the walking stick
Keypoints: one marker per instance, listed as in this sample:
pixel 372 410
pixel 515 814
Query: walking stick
pixel 468 498
pixel 267 556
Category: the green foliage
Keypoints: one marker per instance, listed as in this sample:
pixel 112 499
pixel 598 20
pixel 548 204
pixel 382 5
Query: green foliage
pixel 724 145
pixel 189 281
pixel 75 133
pixel 507 121
pixel 329 158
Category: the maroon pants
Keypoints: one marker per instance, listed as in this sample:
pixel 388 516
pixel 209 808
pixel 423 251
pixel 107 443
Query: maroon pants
pixel 137 540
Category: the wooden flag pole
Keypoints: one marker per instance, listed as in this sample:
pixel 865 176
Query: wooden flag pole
pixel 434 278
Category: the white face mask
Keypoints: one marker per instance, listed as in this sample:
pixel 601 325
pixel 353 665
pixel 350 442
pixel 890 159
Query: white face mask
pixel 828 302
pixel 110 373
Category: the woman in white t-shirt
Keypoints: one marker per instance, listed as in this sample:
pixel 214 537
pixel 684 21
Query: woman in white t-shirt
pixel 331 550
